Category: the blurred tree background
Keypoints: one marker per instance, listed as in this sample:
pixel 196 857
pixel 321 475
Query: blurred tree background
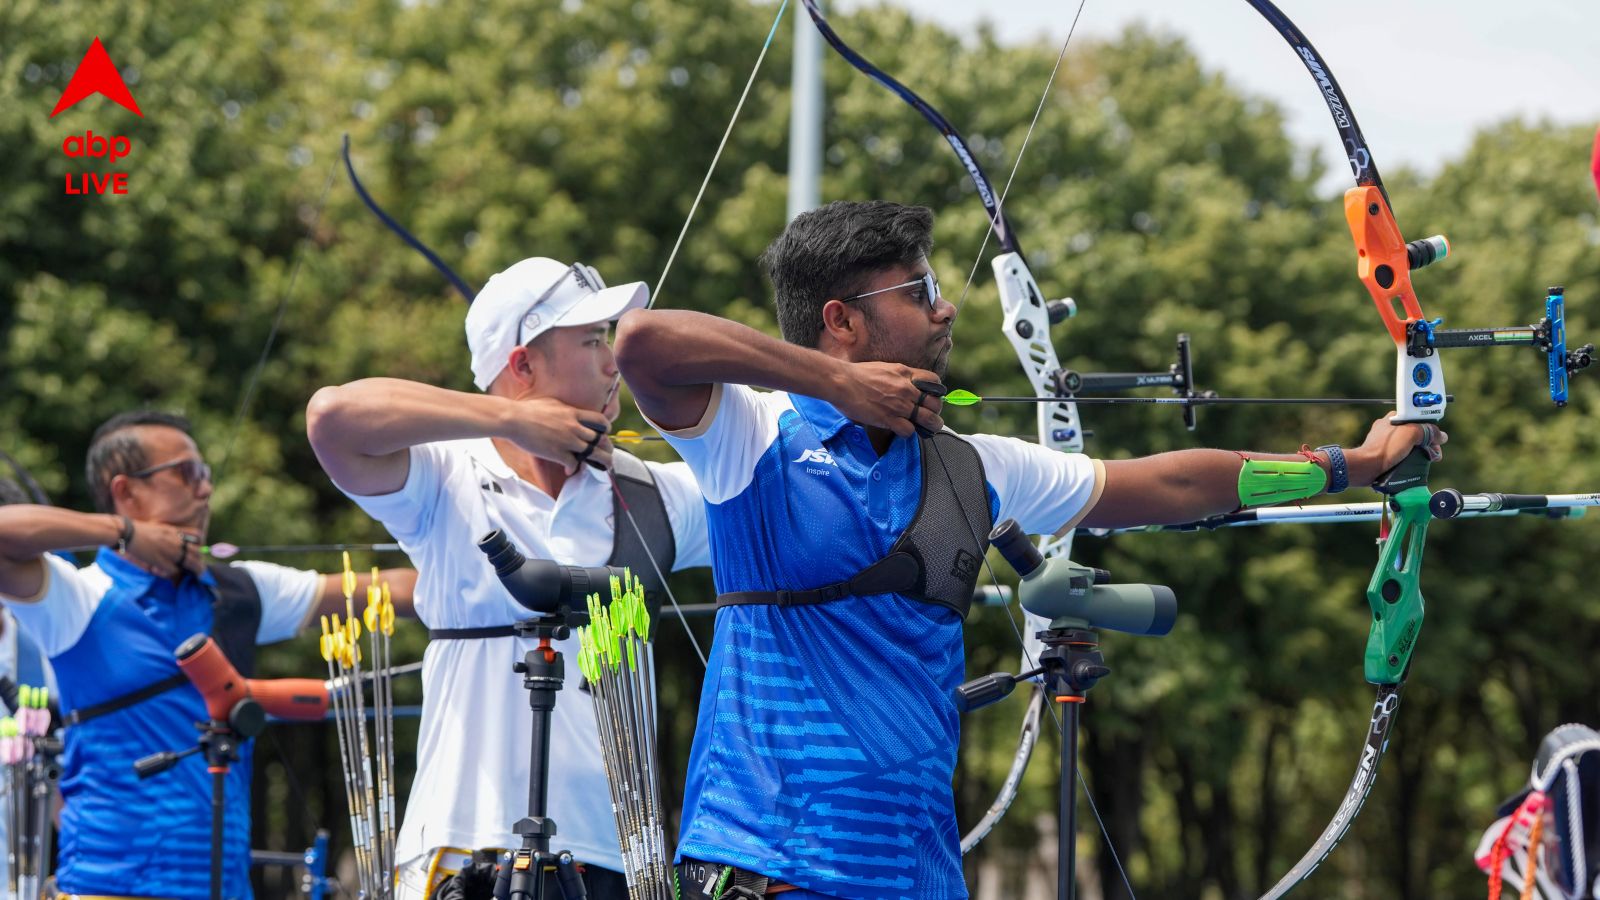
pixel 1154 192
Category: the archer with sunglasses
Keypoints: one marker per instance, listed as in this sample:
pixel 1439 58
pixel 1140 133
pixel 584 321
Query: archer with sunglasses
pixel 109 631
pixel 847 532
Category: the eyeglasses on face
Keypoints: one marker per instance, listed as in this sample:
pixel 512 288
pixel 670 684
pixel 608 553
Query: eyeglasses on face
pixel 191 470
pixel 927 281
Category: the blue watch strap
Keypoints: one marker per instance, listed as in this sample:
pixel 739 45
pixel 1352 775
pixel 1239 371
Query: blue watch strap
pixel 1338 471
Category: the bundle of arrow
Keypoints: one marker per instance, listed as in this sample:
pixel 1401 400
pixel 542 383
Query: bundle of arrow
pixel 28 752
pixel 371 800
pixel 616 657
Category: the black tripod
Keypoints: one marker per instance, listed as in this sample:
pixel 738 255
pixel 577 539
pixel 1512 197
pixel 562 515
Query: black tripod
pixel 1071 664
pixel 1077 600
pixel 219 741
pixel 543 672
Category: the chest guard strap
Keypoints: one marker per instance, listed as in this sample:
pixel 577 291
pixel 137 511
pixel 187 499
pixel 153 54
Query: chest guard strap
pixel 637 493
pixel 235 619
pixel 937 559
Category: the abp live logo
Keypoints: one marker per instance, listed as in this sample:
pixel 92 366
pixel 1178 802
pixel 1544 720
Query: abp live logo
pixel 97 74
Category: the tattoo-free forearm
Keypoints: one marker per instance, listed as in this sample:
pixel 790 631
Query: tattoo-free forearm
pixel 28 531
pixel 379 416
pixel 666 354
pixel 1184 486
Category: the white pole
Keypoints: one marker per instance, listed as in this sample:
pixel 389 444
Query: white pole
pixel 805 118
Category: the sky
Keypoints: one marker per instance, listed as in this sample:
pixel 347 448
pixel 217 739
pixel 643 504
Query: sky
pixel 1421 75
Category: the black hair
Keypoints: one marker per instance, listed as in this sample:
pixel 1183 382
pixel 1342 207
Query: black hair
pixel 828 253
pixel 115 450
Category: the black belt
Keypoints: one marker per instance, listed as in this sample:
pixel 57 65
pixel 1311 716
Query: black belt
pixel 80 716
pixel 716 881
pixel 471 634
pixel 897 573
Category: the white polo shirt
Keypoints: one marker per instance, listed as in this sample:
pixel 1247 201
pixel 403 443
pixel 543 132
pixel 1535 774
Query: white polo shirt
pixel 472 755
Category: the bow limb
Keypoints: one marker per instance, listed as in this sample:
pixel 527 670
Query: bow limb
pixel 25 479
pixel 991 200
pixel 465 290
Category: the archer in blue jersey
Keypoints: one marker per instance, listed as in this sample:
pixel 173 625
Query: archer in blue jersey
pixel 826 740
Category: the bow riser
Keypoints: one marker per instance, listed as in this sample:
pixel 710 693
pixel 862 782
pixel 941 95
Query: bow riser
pixel 1394 593
pixel 1027 327
pixel 1385 269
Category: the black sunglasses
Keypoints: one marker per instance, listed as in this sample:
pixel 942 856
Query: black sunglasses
pixel 191 470
pixel 930 289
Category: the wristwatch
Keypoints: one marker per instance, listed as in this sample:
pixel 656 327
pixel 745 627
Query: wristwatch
pixel 126 536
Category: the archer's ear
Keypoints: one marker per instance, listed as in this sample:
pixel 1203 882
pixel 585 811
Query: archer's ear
pixel 122 498
pixel 843 323
pixel 522 366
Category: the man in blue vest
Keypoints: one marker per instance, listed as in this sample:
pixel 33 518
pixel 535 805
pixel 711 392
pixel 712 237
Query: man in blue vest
pixel 847 530
pixel 110 631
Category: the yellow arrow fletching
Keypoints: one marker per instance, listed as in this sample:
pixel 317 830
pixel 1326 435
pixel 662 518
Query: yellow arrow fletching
pixel 960 397
pixel 627 436
pixel 349 577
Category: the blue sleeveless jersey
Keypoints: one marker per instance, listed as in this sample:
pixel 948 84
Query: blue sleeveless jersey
pixel 121 834
pixel 827 736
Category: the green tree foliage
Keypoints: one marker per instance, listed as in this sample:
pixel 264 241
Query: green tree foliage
pixel 1154 192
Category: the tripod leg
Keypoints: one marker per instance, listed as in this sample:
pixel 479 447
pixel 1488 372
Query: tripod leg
pixel 1067 852
pixel 570 879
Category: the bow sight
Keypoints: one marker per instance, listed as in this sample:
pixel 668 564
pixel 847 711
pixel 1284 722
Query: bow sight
pixel 1179 376
pixel 1549 337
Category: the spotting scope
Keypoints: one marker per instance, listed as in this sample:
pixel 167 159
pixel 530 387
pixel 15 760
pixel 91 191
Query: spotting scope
pixel 543 586
pixel 1074 596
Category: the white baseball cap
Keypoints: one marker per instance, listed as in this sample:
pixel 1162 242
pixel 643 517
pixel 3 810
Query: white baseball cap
pixel 534 296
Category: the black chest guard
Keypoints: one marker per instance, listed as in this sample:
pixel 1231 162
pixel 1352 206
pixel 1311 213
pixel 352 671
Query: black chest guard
pixel 937 558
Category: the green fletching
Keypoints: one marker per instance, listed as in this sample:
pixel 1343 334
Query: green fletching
pixel 962 397
pixel 633 661
pixel 8 727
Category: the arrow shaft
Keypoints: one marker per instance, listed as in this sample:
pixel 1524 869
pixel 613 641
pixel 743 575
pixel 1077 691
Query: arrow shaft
pixel 1202 401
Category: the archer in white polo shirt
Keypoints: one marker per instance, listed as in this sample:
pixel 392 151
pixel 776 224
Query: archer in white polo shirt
pixel 440 469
